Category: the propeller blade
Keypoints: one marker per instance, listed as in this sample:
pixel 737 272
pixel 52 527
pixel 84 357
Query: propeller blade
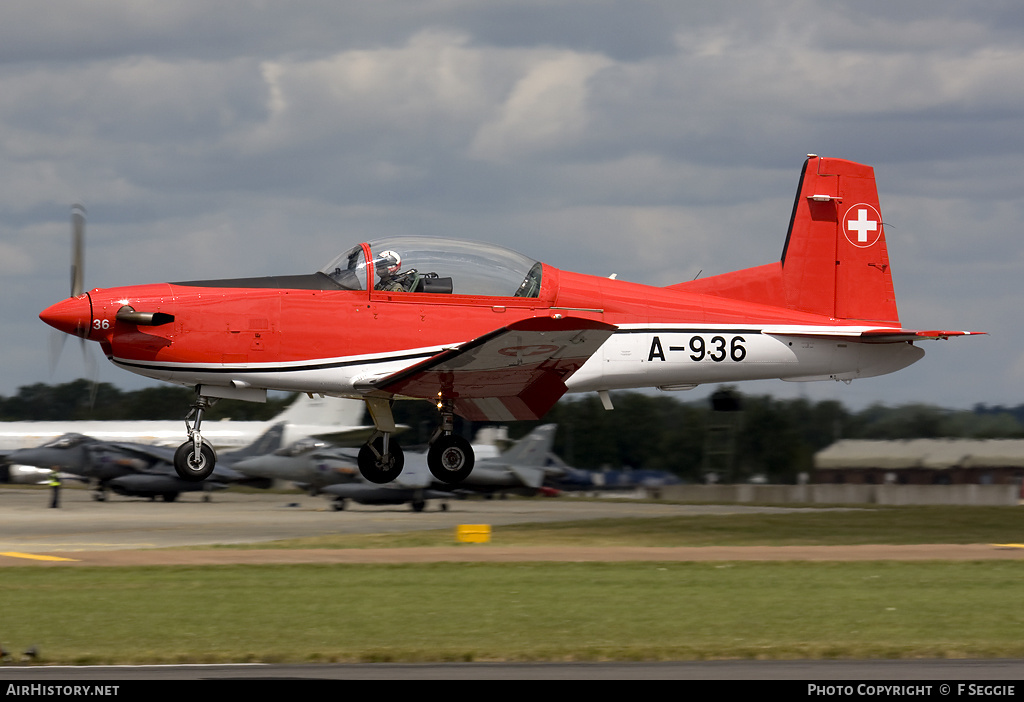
pixel 77 250
pixel 56 347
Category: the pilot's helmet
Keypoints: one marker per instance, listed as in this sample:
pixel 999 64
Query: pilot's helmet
pixel 389 260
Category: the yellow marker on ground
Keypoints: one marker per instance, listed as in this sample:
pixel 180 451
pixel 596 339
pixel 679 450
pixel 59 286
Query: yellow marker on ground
pixel 34 556
pixel 473 533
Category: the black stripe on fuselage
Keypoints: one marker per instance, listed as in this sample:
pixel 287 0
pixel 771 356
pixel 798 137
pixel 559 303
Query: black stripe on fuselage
pixel 268 369
pixel 309 281
pixel 389 359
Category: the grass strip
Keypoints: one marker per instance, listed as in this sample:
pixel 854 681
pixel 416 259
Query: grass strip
pixel 513 612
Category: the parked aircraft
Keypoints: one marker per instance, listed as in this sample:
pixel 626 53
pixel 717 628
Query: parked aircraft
pixel 625 479
pixel 337 418
pixel 490 334
pixel 311 463
pixel 415 485
pixel 141 470
pixel 522 469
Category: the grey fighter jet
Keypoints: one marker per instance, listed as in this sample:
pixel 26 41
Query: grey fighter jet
pixel 311 463
pixel 139 470
pixel 321 468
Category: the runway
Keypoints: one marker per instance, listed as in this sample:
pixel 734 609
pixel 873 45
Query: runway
pixel 82 524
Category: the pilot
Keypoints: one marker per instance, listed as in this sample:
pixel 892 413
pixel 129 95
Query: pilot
pixel 388 264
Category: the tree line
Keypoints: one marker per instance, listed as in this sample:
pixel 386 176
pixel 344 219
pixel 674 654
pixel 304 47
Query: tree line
pixel 749 435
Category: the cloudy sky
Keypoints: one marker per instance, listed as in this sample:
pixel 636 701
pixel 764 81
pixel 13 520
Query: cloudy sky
pixel 649 139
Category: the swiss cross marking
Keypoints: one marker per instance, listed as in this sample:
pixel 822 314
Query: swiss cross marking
pixel 862 225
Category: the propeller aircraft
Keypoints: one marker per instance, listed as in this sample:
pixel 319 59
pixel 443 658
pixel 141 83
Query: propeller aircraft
pixel 492 335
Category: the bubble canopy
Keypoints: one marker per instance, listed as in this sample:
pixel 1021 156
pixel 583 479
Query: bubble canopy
pixel 437 265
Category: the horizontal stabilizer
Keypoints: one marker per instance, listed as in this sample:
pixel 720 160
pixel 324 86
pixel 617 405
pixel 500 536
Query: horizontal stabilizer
pixel 875 335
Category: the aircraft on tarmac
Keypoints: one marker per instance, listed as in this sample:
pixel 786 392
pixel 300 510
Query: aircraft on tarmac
pixel 141 470
pixel 490 334
pixel 519 470
pixel 523 468
pixel 311 463
pixel 414 485
pixel 315 465
pixel 339 418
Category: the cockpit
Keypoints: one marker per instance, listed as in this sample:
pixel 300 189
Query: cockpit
pixel 66 441
pixel 433 265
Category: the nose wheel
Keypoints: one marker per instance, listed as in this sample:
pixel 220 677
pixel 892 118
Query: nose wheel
pixel 192 465
pixel 195 459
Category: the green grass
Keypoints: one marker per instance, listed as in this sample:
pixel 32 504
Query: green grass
pixel 518 612
pixel 880 525
pixel 548 611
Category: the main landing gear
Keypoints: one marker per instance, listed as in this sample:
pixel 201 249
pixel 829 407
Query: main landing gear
pixel 450 457
pixel 195 459
pixel 381 458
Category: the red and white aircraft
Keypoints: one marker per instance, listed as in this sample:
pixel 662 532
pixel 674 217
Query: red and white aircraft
pixel 490 334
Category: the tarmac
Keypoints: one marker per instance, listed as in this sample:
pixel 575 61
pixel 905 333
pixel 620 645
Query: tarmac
pixel 133 531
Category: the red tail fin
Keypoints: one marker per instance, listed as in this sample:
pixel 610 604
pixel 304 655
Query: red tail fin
pixel 835 262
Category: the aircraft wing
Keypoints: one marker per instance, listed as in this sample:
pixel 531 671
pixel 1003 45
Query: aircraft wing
pixel 878 335
pixel 516 372
pixel 150 454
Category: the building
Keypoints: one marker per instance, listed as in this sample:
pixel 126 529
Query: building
pixel 921 462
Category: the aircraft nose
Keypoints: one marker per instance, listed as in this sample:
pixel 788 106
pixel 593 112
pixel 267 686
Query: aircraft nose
pixel 72 316
pixel 38 457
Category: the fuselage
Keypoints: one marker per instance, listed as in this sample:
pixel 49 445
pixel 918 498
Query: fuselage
pixel 304 333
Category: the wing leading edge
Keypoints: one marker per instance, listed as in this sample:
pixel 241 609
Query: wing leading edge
pixel 516 372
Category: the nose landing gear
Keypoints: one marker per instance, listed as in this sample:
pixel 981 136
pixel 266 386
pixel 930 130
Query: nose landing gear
pixel 195 459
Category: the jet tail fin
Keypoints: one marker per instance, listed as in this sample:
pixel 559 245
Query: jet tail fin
pixel 835 262
pixel 532 449
pixel 267 442
pixel 324 411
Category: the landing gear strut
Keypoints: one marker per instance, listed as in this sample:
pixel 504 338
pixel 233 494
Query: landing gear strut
pixel 195 459
pixel 381 458
pixel 450 457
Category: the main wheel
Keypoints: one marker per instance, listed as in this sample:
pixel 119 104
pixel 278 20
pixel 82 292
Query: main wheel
pixel 194 468
pixel 379 467
pixel 450 458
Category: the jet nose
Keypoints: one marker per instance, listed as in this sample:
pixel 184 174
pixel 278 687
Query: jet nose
pixel 72 316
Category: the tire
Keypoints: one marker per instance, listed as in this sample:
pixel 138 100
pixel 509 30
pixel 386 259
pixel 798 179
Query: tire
pixel 450 459
pixel 190 469
pixel 377 467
